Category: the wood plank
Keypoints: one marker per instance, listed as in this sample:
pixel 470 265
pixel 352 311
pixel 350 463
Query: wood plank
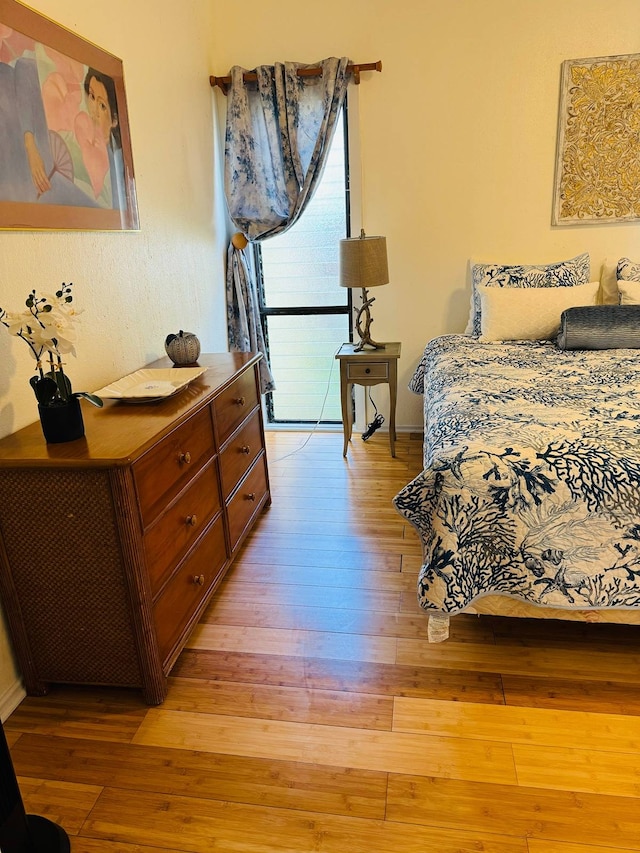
pixel 12 737
pixel 563 634
pixel 312 644
pixel 347 493
pixel 301 575
pixel 83 712
pixel 109 845
pixel 273 702
pixel 350 676
pixel 541 846
pixel 562 730
pixel 379 484
pixel 280 784
pixel 585 663
pixel 413 563
pixel 202 825
pixel 602 696
pixel 336 509
pixel 335 527
pixel 227 611
pixel 593 770
pixel 272 552
pixel 336 746
pixel 65 803
pixel 509 810
pixel 337 598
pixel 261 537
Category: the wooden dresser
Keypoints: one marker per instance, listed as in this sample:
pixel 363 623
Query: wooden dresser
pixel 112 545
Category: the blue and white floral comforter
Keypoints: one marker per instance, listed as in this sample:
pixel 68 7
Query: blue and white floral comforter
pixel 531 485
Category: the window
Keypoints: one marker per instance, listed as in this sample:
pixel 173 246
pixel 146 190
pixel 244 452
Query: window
pixel 306 315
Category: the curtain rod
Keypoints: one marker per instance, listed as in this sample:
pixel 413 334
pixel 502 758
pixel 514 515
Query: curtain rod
pixel 312 71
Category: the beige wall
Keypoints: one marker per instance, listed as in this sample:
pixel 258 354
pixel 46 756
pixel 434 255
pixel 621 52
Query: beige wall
pixel 458 136
pixel 134 288
pixel 458 148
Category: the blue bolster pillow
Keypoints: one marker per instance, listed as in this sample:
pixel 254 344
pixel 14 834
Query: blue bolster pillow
pixel 600 327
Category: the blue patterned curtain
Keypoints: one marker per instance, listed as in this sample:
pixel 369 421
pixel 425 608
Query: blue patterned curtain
pixel 279 130
pixel 243 318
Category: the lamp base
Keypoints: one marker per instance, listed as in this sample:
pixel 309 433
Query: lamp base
pixel 366 342
pixel 371 346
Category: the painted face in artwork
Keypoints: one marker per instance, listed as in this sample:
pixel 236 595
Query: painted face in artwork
pixel 99 109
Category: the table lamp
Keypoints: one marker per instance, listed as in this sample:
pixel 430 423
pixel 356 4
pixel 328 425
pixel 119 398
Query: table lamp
pixel 363 264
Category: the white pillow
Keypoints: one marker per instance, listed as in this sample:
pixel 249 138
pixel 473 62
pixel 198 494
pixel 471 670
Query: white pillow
pixel 530 313
pixel 560 274
pixel 629 292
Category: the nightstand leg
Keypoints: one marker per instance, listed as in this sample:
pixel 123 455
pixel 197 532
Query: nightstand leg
pixel 393 387
pixel 345 388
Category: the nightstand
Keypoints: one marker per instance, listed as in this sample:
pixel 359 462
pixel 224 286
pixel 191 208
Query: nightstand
pixel 368 367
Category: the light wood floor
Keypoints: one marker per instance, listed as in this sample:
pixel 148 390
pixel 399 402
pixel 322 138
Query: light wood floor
pixel 309 713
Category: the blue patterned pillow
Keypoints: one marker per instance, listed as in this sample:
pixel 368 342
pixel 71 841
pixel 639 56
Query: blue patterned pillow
pixel 628 270
pixel 600 327
pixel 561 274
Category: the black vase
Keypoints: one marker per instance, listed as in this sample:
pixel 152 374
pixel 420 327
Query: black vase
pixel 62 422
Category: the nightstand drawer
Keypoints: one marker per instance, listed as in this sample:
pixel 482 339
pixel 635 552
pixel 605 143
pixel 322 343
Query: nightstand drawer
pixel 368 370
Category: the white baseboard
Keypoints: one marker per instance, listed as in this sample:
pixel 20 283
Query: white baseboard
pixel 10 699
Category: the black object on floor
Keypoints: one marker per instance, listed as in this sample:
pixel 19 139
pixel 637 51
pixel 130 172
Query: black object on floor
pixel 20 832
pixel 375 424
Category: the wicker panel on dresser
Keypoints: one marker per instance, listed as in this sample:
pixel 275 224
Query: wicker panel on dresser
pixel 112 545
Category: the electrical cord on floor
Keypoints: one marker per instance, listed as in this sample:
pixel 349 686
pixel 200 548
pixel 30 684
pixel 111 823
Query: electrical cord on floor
pixel 317 423
pixel 375 424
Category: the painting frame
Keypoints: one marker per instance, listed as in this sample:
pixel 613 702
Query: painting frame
pixel 597 170
pixel 81 176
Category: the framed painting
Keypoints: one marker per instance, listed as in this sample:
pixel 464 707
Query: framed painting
pixel 65 148
pixel 597 176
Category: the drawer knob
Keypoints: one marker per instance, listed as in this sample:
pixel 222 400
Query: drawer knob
pixel 368 370
pixel 198 580
pixel 185 457
pixel 192 520
pixel 245 449
pixel 239 401
pixel 251 496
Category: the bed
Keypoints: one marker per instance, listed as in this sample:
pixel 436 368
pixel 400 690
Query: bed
pixel 529 501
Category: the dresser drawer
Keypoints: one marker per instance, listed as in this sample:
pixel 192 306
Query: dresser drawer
pixel 166 468
pixel 368 370
pixel 233 404
pixel 246 501
pixel 174 532
pixel 181 600
pixel 240 452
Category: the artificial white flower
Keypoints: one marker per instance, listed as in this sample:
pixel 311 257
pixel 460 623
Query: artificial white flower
pixel 46 326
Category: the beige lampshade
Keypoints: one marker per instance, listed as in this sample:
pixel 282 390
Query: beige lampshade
pixel 363 262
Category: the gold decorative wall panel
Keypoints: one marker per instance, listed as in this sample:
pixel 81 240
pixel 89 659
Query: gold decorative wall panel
pixel 598 159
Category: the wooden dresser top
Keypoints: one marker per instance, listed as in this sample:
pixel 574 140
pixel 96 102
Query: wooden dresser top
pixel 121 432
